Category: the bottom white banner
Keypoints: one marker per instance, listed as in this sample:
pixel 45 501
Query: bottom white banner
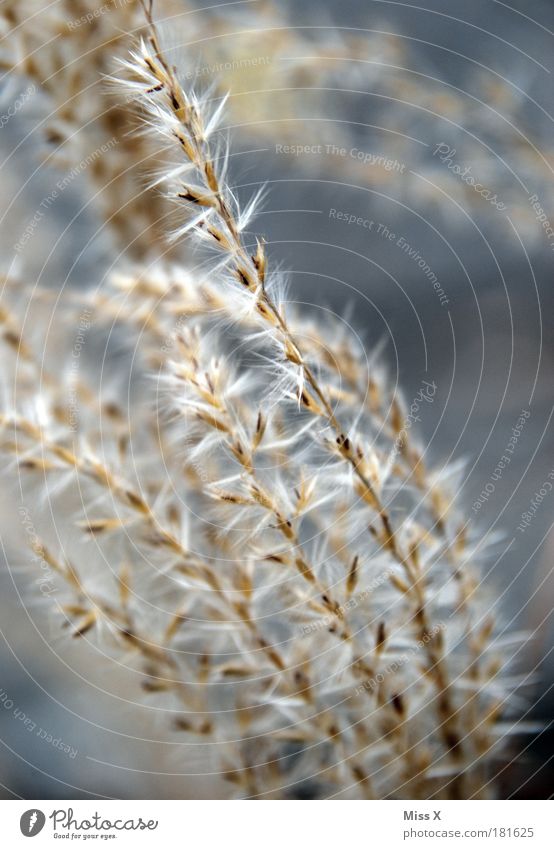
pixel 281 825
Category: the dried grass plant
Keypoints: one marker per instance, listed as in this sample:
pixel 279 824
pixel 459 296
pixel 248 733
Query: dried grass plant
pixel 257 528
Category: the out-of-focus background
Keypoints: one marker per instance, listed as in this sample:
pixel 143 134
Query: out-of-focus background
pixel 368 120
